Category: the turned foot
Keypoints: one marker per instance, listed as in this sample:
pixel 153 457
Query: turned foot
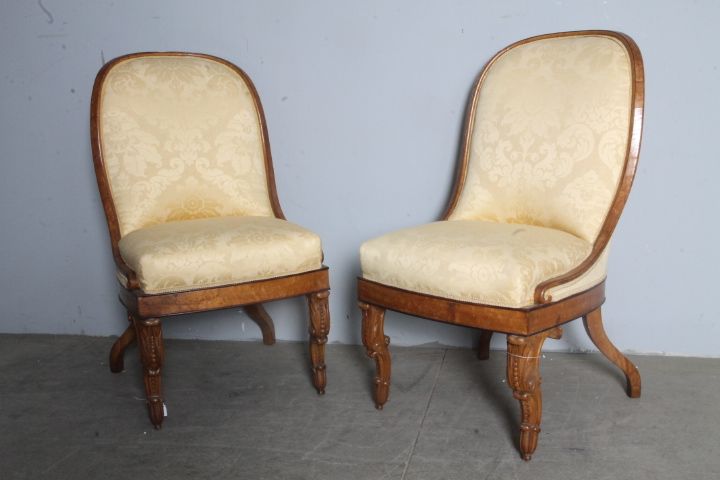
pixel 376 343
pixel 258 314
pixel 149 335
pixel 319 329
pixel 523 375
pixel 594 327
pixel 483 348
pixel 117 352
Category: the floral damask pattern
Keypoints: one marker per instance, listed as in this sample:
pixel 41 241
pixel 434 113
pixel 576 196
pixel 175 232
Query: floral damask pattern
pixel 181 140
pixel 209 252
pixel 549 136
pixel 475 261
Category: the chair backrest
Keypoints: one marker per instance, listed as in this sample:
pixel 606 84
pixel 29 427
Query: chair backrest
pixel 179 136
pixel 553 133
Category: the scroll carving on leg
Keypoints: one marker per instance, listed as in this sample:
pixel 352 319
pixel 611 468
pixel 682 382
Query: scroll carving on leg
pixel 263 320
pixel 376 343
pixel 149 335
pixel 523 374
pixel 594 327
pixel 117 352
pixel 319 329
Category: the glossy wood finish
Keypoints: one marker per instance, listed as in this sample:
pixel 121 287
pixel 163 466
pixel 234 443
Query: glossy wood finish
pixel 523 376
pixel 258 315
pixel 152 354
pixel 376 344
pixel 229 296
pixel 518 321
pixel 319 329
pixel 146 310
pixel 530 326
pixel 594 327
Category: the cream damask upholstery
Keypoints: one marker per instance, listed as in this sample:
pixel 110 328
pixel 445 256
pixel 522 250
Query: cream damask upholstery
pixel 547 146
pixel 182 146
pixel 549 135
pixel 470 260
pixel 181 139
pixel 211 252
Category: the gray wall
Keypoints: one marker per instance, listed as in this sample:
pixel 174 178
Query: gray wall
pixel 364 103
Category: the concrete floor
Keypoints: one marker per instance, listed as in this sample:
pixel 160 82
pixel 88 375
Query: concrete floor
pixel 244 410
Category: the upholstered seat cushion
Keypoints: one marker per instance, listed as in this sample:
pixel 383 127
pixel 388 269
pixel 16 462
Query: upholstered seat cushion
pixel 210 252
pixel 481 262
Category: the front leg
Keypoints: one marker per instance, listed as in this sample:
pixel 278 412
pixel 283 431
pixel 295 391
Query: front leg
pixel 319 329
pixel 149 336
pixel 523 375
pixel 376 344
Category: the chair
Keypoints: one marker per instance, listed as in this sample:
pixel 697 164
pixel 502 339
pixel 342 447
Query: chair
pixel 550 148
pixel 183 164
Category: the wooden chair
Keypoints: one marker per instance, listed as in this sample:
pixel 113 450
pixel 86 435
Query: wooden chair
pixel 550 148
pixel 183 165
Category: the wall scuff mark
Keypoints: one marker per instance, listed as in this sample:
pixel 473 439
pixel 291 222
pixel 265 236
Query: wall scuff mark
pixel 51 19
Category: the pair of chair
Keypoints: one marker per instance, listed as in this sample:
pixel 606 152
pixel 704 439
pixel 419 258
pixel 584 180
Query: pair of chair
pixel 549 154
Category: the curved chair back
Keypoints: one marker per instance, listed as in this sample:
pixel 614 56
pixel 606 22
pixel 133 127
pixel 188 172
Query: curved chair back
pixel 553 134
pixel 179 136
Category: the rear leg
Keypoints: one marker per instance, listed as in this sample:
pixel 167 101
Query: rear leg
pixel 594 327
pixel 117 352
pixel 483 347
pixel 258 315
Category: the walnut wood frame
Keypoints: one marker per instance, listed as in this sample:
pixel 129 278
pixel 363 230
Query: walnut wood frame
pixel 526 327
pixel 146 310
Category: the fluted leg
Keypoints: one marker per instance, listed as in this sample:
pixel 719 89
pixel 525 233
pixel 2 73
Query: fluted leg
pixel 117 352
pixel 483 348
pixel 319 329
pixel 258 315
pixel 376 343
pixel 594 327
pixel 523 375
pixel 149 335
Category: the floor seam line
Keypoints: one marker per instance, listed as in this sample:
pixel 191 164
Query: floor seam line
pixel 422 422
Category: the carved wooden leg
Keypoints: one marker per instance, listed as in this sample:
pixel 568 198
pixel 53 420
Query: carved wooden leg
pixel 376 343
pixel 483 348
pixel 594 327
pixel 117 352
pixel 523 374
pixel 319 329
pixel 149 335
pixel 258 314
